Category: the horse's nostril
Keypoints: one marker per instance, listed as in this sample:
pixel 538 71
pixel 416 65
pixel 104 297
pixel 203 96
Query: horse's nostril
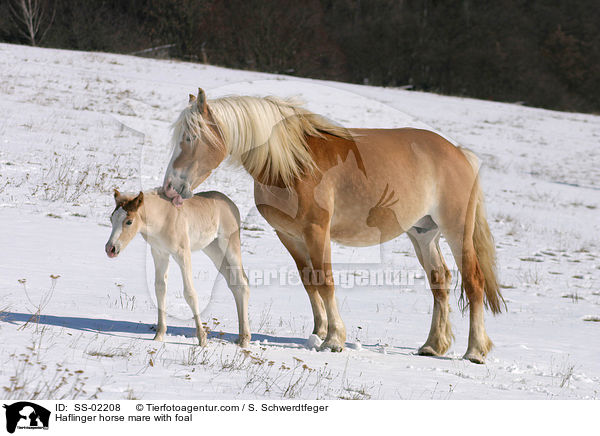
pixel 113 250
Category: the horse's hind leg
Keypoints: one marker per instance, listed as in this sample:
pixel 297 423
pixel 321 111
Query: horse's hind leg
pixel 161 267
pixel 227 257
pixel 426 244
pixel 299 252
pixel 473 283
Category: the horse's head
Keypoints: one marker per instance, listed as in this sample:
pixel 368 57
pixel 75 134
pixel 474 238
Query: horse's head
pixel 126 222
pixel 197 150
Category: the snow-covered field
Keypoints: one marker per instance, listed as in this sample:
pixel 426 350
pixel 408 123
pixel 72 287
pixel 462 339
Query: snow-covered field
pixel 74 125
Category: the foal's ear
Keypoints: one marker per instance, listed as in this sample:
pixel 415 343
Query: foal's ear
pixel 134 204
pixel 137 201
pixel 201 101
pixel 192 99
pixel 117 195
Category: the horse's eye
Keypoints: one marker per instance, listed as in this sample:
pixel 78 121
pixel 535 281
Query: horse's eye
pixel 129 222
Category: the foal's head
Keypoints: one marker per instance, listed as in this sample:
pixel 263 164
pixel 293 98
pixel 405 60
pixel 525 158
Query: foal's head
pixel 197 150
pixel 125 221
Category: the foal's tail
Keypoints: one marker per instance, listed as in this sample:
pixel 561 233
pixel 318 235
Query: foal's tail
pixel 483 242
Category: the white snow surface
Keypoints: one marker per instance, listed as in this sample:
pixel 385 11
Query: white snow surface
pixel 75 125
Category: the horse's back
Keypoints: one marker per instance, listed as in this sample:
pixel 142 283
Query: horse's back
pixel 415 154
pixel 404 139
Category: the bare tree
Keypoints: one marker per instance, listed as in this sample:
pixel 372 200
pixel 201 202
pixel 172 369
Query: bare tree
pixel 30 18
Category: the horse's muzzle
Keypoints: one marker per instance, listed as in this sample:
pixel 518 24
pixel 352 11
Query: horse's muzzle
pixel 186 192
pixel 177 195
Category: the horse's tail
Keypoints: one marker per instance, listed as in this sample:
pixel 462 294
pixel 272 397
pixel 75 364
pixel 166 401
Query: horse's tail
pixel 483 242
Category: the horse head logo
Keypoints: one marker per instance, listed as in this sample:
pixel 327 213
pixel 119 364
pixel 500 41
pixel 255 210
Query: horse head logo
pixel 382 215
pixel 29 415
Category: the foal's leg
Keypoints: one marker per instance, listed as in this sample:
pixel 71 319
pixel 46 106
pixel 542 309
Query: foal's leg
pixel 319 249
pixel 161 267
pixel 183 258
pixel 428 251
pixel 299 252
pixel 227 257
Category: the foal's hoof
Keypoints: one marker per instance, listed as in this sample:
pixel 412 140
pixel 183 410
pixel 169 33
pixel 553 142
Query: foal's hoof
pixel 243 341
pixel 427 350
pixel 475 358
pixel 332 346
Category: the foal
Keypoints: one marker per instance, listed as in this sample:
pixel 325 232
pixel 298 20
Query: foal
pixel 209 221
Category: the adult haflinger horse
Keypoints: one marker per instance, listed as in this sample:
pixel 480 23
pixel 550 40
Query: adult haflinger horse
pixel 315 182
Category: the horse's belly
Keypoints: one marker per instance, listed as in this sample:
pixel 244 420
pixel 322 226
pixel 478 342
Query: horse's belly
pixel 360 236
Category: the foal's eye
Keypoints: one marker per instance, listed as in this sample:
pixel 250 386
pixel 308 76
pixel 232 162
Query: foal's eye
pixel 129 222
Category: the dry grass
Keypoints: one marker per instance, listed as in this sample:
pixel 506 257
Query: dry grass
pixel 68 179
pixel 33 379
pixel 574 297
pixel 37 308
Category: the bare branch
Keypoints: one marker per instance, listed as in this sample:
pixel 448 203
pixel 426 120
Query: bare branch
pixel 29 18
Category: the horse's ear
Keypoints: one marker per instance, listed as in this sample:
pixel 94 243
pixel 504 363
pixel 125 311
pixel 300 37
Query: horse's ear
pixel 192 99
pixel 201 101
pixel 117 194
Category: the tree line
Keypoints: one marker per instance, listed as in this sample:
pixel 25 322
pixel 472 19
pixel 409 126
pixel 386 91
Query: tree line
pixel 542 53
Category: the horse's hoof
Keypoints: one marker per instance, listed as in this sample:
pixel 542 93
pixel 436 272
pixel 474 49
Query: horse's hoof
pixel 332 346
pixel 321 335
pixel 427 350
pixel 475 358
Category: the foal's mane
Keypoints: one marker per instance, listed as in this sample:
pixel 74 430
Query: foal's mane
pixel 267 135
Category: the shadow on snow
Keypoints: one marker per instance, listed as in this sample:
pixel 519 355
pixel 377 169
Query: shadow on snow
pixel 114 327
pixel 109 326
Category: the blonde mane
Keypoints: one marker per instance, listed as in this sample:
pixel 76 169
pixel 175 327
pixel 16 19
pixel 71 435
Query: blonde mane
pixel 268 136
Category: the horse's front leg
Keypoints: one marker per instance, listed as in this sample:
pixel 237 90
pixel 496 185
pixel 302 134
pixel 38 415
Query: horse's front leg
pixel 161 268
pixel 185 263
pixel 300 255
pixel 318 243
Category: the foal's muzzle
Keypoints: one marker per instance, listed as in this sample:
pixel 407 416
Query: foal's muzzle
pixel 111 250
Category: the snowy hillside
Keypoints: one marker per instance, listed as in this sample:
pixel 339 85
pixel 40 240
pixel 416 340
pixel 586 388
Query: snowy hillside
pixel 75 125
